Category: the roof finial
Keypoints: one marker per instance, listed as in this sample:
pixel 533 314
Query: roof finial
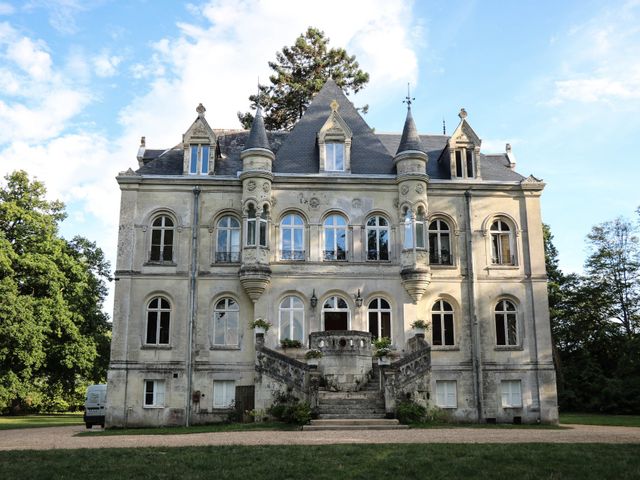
pixel 444 127
pixel 462 114
pixel 334 105
pixel 258 101
pixel 408 99
pixel 200 109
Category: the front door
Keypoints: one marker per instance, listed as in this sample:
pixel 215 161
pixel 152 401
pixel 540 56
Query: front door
pixel 335 321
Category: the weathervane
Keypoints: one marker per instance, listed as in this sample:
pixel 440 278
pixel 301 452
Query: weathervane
pixel 258 101
pixel 408 99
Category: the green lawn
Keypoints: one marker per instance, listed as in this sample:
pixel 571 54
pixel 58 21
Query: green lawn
pixel 595 419
pixel 32 421
pixel 345 462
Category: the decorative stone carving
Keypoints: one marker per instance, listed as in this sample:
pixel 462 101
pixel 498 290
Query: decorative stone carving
pixel 255 279
pixel 314 202
pixel 415 281
pixel 356 203
pixel 404 189
pixel 419 188
pixel 265 187
pixel 251 185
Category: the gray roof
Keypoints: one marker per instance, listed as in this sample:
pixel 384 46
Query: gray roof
pixel 410 139
pixel 297 151
pixel 258 135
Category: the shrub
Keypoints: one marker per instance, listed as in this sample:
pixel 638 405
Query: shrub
pixel 382 347
pixel 313 353
pixel 287 408
pixel 409 412
pixel 261 324
pixel 288 343
pixel 420 324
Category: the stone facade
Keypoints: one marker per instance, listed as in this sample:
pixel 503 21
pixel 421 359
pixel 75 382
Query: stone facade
pixel 328 227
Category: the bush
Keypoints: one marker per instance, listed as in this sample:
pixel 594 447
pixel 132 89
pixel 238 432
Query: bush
pixel 288 343
pixel 287 408
pixel 410 412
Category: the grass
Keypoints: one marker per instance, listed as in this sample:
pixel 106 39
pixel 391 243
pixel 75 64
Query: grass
pixel 319 462
pixel 597 419
pixel 44 420
pixel 216 427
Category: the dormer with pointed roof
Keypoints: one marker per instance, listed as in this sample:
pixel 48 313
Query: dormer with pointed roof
pixel 199 146
pixel 334 143
pixel 464 150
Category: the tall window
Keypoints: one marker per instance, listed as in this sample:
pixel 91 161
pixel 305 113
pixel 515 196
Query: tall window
pixel 439 243
pixel 225 322
pixel 335 238
pixel 502 244
pixel 442 323
pixel 224 393
pixel 256 227
pixel 377 238
pixel 446 395
pixel 161 239
pixel 158 320
pixel 292 237
pixel 291 319
pixel 511 393
pixel 154 393
pixel 335 314
pixel 334 157
pixel 464 163
pixel 199 161
pixel 506 323
pixel 228 240
pixel 414 229
pixel 379 318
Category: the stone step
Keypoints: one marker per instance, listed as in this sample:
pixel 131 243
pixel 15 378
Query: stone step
pixel 356 421
pixel 326 416
pixel 312 428
pixel 355 402
pixel 351 396
pixel 322 409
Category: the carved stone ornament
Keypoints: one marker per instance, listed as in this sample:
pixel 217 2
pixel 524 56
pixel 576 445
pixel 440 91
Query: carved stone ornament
pixel 356 203
pixel 419 188
pixel 199 130
pixel 404 189
pixel 128 173
pixel 396 203
pixel 251 185
pixel 265 187
pixel 314 202
pixel 274 201
pixel 531 179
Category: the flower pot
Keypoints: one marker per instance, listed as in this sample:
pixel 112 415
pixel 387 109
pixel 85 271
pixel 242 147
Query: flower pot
pixel 384 360
pixel 419 332
pixel 313 362
pixel 259 330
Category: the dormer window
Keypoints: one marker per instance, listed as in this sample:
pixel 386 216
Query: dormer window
pixel 464 163
pixel 199 160
pixel 334 157
pixel 464 148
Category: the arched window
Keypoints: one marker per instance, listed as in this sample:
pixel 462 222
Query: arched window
pixel 442 323
pixel 502 244
pixel 379 318
pixel 225 322
pixel 414 229
pixel 335 238
pixel 256 227
pixel 292 237
pixel 228 240
pixel 292 319
pixel 161 239
pixel 377 238
pixel 158 321
pixel 439 243
pixel 335 314
pixel 506 323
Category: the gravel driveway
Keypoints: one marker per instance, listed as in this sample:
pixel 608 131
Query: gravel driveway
pixel 65 437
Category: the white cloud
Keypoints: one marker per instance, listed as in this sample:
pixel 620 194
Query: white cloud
pixel 106 65
pixel 6 8
pixel 31 57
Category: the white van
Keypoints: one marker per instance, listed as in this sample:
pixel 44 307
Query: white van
pixel 95 405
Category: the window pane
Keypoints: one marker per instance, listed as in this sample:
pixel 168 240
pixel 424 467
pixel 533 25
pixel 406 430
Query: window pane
pixel 506 249
pixel 373 324
pixel 495 248
pixel 232 328
pixel 511 325
pixel 219 328
pixel 297 325
pixel 167 251
pixel 372 247
pixel 251 231
pixel 205 159
pixel 500 333
pixel 386 324
pixel 297 240
pixel 263 233
pixel 448 329
pixel 152 325
pixel 419 234
pixel 339 155
pixel 437 329
pixel 384 244
pixel 193 167
pixel 222 241
pixel 164 327
pixel 458 163
pixel 469 164
pixel 285 324
pixel 341 303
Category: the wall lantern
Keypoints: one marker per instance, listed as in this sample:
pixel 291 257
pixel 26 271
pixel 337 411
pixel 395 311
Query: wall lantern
pixel 313 299
pixel 358 299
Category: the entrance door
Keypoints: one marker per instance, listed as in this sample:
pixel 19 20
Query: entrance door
pixel 335 314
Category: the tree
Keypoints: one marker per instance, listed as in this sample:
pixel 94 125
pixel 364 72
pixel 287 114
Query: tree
pixel 52 330
pixel 614 265
pixel 300 71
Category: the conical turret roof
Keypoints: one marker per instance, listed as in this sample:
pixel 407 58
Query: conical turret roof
pixel 410 139
pixel 258 134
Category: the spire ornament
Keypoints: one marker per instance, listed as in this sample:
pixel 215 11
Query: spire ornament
pixel 408 99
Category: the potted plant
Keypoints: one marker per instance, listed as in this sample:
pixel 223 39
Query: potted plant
pixel 260 326
pixel 382 348
pixel 420 326
pixel 313 356
pixel 288 343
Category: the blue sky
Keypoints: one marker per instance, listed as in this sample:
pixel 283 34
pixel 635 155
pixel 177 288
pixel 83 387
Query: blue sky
pixel 82 80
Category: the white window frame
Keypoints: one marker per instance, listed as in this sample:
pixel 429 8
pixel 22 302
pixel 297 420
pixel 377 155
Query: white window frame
pixel 439 316
pixel 231 252
pixel 330 150
pixel 334 308
pixel 467 162
pixel 163 244
pixel 511 393
pixel 501 310
pixel 378 310
pixel 435 247
pixel 227 310
pixel 158 312
pixel 380 224
pixel 157 393
pixel 199 156
pixel 292 223
pixel 335 227
pixel 225 389
pixel 415 229
pixel 290 311
pixel 500 228
pixel 447 393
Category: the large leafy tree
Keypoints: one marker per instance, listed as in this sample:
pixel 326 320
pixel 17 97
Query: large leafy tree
pixel 299 72
pixel 53 334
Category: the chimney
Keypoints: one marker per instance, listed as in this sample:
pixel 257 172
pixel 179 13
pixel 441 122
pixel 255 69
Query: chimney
pixel 141 151
pixel 511 157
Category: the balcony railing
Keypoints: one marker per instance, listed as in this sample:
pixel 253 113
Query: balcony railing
pixel 297 255
pixel 227 257
pixel 440 258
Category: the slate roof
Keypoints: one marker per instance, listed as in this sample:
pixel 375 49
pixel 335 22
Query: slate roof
pixel 258 135
pixel 297 151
